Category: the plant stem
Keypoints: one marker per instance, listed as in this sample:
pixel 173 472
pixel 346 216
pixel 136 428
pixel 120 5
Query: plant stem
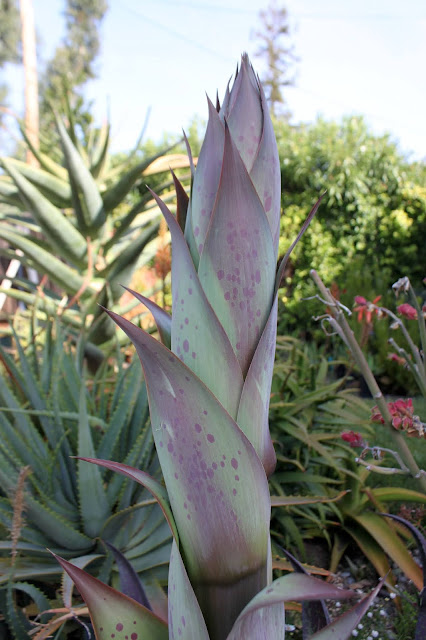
pixel 342 327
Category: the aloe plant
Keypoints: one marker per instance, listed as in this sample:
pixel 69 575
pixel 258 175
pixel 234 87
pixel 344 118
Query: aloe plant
pixel 49 411
pixel 76 225
pixel 340 502
pixel 209 398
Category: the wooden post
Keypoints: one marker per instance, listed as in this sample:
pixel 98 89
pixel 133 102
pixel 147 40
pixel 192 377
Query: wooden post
pixel 29 55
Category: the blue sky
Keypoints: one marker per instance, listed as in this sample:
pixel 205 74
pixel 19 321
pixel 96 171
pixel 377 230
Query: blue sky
pixel 355 57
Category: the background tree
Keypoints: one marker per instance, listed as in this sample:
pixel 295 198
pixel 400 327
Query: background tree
pixel 276 52
pixel 73 63
pixel 9 40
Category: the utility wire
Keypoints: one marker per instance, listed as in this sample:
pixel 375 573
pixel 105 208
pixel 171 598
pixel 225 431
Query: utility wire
pixel 292 14
pixel 180 36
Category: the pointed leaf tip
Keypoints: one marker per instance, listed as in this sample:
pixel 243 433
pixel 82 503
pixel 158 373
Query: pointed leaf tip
pixel 113 612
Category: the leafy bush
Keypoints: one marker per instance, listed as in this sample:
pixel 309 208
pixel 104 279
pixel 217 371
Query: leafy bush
pixel 372 219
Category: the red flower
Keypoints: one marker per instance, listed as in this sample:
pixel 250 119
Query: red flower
pixel 407 311
pixel 354 439
pixel 396 358
pixel 402 413
pixel 367 309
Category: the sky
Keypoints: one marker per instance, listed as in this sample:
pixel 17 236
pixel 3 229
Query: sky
pixel 361 57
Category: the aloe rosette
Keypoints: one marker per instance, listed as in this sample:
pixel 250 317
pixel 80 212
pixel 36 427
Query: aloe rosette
pixel 208 389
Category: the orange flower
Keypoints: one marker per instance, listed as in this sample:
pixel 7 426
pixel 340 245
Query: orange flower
pixel 367 309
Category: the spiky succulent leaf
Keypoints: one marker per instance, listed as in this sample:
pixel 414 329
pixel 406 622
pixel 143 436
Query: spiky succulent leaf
pixel 94 507
pixel 114 614
pixel 83 185
pixel 155 487
pixel 55 189
pixel 60 231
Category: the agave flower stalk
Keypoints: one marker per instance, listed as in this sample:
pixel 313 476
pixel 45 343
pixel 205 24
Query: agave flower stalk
pixel 340 325
pixel 208 389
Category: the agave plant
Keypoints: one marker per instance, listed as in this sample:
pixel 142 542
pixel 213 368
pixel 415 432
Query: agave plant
pixel 76 225
pixel 208 389
pixel 49 411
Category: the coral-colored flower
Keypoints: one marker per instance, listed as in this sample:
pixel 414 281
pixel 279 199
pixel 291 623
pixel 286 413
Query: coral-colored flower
pixel 396 358
pixel 367 309
pixel 354 439
pixel 403 418
pixel 407 311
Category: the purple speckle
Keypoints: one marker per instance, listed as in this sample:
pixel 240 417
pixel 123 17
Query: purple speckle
pixel 234 463
pixel 194 355
pixel 197 427
pixel 196 231
pixel 186 321
pixel 237 478
pixel 186 346
pixel 222 464
pixel 170 447
pixel 119 626
pixel 214 465
pixel 268 203
pixel 234 491
pixel 258 276
pixel 210 437
pixel 190 291
pixel 227 295
pixel 183 621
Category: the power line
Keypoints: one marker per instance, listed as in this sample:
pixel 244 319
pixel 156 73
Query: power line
pixel 178 35
pixel 307 16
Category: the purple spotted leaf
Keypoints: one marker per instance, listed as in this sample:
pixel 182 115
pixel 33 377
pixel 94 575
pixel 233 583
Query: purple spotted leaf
pixel 162 319
pixel 185 617
pixel 207 175
pixel 293 586
pixel 266 174
pixel 113 614
pixel 158 491
pixel 197 335
pixel 213 478
pixel 244 113
pixel 253 412
pixel 237 265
